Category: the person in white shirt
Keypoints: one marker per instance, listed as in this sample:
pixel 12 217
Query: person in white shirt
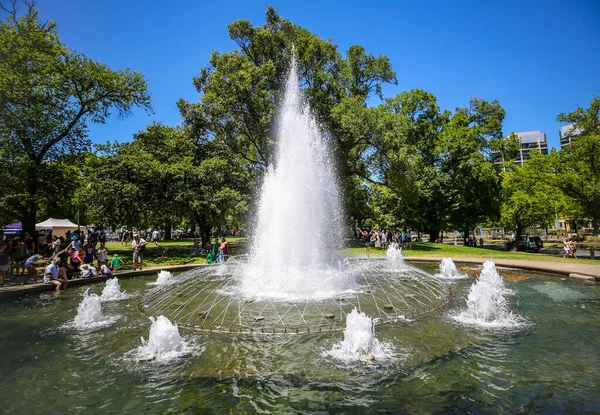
pixel 104 269
pixel 52 275
pixel 88 271
pixel 156 236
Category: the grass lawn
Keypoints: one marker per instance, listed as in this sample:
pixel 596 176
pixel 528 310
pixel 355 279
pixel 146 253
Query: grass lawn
pixel 457 251
pixel 180 252
pixel 177 252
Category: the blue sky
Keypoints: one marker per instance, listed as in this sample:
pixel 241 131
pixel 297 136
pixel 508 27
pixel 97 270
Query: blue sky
pixel 538 58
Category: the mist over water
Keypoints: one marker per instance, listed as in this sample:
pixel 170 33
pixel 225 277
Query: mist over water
pixel 299 217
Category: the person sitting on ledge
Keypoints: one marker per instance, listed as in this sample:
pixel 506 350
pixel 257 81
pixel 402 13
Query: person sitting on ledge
pixel 104 270
pixel 88 271
pixel 52 275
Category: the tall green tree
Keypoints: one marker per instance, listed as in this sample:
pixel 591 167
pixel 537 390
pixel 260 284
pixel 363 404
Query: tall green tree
pixel 49 95
pixel 576 168
pixel 527 200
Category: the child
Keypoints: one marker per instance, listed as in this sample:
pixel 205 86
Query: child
pixel 116 262
pixel 104 270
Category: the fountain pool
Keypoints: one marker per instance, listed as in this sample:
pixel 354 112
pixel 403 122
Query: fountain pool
pixel 438 364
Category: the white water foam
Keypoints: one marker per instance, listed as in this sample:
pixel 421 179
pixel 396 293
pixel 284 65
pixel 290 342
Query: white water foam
pixel 448 270
pixel 394 253
pixel 164 278
pixel 112 291
pixel 164 342
pixel 89 313
pixel 486 302
pixel 360 343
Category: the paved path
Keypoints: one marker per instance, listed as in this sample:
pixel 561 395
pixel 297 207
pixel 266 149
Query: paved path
pixel 586 272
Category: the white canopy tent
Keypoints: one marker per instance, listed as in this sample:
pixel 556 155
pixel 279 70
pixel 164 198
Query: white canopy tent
pixel 59 227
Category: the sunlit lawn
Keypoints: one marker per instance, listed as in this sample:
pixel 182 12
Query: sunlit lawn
pixel 180 252
pixel 428 249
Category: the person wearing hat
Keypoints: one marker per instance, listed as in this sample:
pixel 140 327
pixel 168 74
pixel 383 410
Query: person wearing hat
pixel 138 245
pixel 88 271
pixel 56 276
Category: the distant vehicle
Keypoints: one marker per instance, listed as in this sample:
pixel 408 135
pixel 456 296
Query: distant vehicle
pixel 527 243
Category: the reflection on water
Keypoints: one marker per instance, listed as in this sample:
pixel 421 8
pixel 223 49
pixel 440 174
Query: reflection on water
pixel 551 365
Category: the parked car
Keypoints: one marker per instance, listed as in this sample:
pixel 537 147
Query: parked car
pixel 527 243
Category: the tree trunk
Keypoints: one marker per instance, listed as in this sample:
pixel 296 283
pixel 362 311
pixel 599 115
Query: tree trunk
pixel 595 225
pixel 168 230
pixel 433 234
pixel 518 231
pixel 466 232
pixel 30 212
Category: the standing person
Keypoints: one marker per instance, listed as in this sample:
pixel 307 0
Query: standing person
pixel 4 263
pixel 56 276
pixel 566 248
pixel 223 251
pixel 29 243
pixel 156 236
pixel 573 246
pixel 367 240
pixel 102 254
pixel 138 245
pixel 90 251
pixel 30 267
pixel 19 253
pixel 77 258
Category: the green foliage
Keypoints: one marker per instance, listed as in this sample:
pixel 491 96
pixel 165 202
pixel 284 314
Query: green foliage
pixel 163 177
pixel 48 96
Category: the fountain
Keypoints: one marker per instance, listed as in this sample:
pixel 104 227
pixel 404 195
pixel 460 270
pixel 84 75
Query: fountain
pixel 293 281
pixel 112 291
pixel 448 270
pixel 164 341
pixel 431 354
pixel 89 313
pixel 486 302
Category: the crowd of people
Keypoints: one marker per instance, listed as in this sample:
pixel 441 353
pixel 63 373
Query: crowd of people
pixel 76 255
pixel 381 238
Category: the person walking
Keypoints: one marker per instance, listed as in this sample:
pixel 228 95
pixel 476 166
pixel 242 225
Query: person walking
pixel 138 245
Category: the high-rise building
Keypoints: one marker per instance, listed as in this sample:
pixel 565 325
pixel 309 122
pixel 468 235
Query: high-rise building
pixel 567 133
pixel 530 140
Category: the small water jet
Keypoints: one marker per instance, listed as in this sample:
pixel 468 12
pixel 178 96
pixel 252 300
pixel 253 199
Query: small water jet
pixel 89 313
pixel 164 341
pixel 112 291
pixel 449 271
pixel 163 278
pixel 486 302
pixel 359 341
pixel 394 252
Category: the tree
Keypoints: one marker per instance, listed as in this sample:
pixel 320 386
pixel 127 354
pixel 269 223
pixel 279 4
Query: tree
pixel 48 96
pixel 576 168
pixel 527 200
pixel 164 176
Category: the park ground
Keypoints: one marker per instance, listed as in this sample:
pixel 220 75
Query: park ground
pixel 180 252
